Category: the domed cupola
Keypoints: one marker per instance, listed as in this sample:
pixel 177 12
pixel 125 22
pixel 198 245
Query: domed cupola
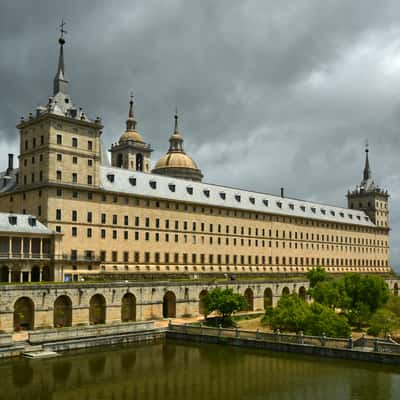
pixel 131 151
pixel 176 162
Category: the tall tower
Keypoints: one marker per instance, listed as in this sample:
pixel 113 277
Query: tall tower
pixel 131 151
pixel 59 144
pixel 370 198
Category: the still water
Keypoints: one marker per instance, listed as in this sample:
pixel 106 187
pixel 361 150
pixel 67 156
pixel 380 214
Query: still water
pixel 176 370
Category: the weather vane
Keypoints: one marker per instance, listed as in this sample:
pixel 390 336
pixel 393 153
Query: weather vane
pixel 366 145
pixel 61 26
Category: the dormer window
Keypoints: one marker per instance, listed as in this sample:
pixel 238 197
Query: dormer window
pixel 252 200
pixel 265 201
pixel 172 187
pixel 222 195
pixel 323 211
pixel 313 210
pixel 279 204
pixel 132 180
pixel 333 213
pixel 206 192
pixel 358 217
pixel 32 221
pixel 189 189
pixel 291 206
pixel 237 197
pixel 12 219
pixel 341 214
pixel 351 216
pixel 303 208
pixel 153 184
pixel 111 177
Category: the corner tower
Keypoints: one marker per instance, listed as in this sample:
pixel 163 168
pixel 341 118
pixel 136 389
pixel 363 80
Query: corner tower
pixel 370 198
pixel 131 151
pixel 176 162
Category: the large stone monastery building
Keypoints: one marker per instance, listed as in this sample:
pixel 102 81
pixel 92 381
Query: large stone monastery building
pixel 127 218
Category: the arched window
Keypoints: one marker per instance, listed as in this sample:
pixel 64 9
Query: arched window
pixel 62 312
pixel 128 308
pixel 24 314
pixel 97 310
pixel 268 302
pixel 202 294
pixel 169 305
pixel 139 162
pixel 248 294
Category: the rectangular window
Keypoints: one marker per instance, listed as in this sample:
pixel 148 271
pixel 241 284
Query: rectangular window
pixel 74 160
pixel 102 255
pixel 114 219
pixel 89 179
pixel 89 232
pixel 126 256
pixel 59 139
pixel 58 214
pixel 137 221
pixel 114 256
pixel 126 220
pixel 126 235
pixel 114 234
pixel 59 175
pixel 74 177
pixel 74 215
pixel 103 233
pixel 137 256
pixel 89 216
pixel 103 218
pixel 147 257
pixel 59 157
pixel 90 145
pixel 74 231
pixel 74 142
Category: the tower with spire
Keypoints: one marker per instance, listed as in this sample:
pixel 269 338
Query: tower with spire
pixel 131 152
pixel 59 144
pixel 176 162
pixel 370 198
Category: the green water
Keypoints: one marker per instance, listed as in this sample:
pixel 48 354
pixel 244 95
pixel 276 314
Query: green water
pixel 176 370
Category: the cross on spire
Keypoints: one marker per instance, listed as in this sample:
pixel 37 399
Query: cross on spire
pixel 61 26
pixel 60 82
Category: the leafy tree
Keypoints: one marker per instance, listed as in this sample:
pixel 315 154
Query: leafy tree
pixel 290 314
pixel 383 321
pixel 393 305
pixel 316 275
pixel 331 294
pixel 224 302
pixel 324 320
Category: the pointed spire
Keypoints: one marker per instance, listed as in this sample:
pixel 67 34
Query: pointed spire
pixel 131 122
pixel 176 139
pixel 176 120
pixel 60 82
pixel 367 169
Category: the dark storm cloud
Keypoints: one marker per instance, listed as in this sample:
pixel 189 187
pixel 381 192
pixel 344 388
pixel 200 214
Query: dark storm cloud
pixel 270 93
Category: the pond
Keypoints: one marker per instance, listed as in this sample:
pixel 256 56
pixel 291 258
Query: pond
pixel 175 370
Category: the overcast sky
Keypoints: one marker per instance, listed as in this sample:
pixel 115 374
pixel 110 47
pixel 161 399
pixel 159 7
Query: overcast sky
pixel 271 93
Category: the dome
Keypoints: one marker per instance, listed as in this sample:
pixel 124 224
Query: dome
pixel 131 136
pixel 176 160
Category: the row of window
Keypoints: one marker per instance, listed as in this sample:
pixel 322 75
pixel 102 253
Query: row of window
pixel 219 228
pixel 227 259
pixel 59 141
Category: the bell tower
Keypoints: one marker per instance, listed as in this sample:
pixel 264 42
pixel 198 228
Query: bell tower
pixel 370 198
pixel 131 152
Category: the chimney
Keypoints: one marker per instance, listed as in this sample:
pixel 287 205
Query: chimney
pixel 10 163
pixel 282 192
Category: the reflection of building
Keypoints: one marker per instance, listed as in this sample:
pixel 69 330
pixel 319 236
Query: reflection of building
pixel 124 219
pixel 28 250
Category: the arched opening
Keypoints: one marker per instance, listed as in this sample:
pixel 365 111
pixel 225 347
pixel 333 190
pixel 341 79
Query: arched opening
pixel 248 294
pixel 24 314
pixel 62 312
pixel 46 274
pixel 4 274
pixel 396 289
pixel 268 302
pixel 202 294
pixel 285 291
pixel 97 310
pixel 302 293
pixel 128 308
pixel 139 162
pixel 120 160
pixel 169 305
pixel 35 274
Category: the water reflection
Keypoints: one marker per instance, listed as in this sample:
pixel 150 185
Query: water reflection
pixel 176 370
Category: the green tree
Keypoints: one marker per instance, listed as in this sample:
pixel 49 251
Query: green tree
pixel 383 321
pixel 316 275
pixel 224 302
pixel 324 320
pixel 290 314
pixel 331 294
pixel 393 305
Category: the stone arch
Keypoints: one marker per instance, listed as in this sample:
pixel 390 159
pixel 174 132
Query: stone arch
pixel 396 289
pixel 302 293
pixel 97 310
pixel 202 294
pixel 24 314
pixel 285 291
pixel 35 274
pixel 4 274
pixel 62 315
pixel 169 305
pixel 249 295
pixel 128 307
pixel 268 298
